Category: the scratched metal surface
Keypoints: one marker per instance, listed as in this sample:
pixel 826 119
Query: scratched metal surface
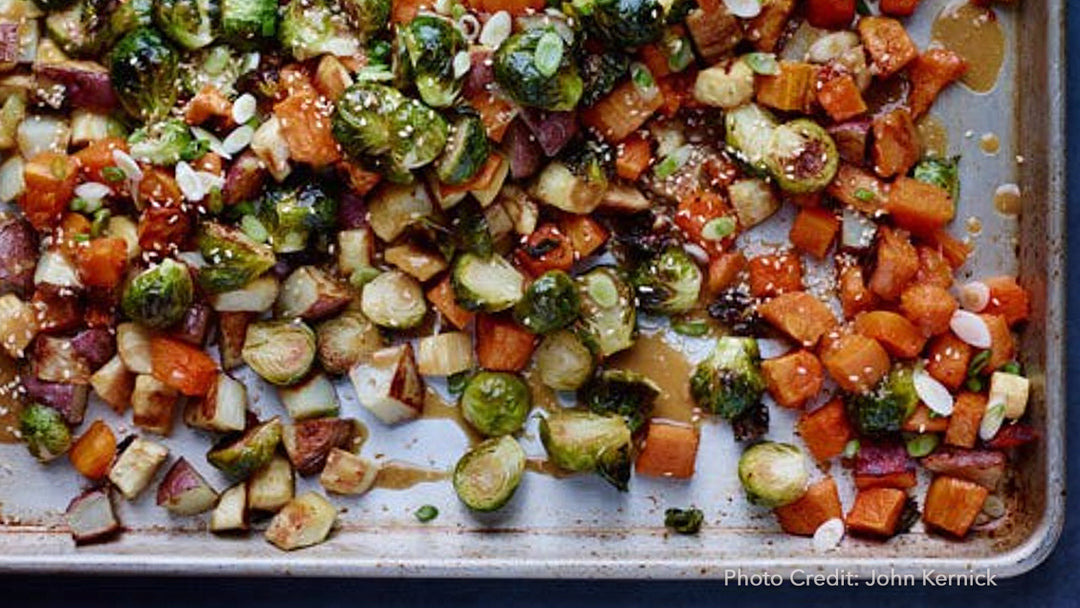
pixel 579 527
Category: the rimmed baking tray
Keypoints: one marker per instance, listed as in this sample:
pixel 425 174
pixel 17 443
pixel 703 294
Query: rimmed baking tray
pixel 579 527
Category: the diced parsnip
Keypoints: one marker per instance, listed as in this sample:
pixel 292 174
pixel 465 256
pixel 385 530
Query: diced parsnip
pixel 308 442
pixel 311 294
pixel 754 201
pixel 355 248
pixel 37 134
pixel 445 354
pixel 559 187
pixel 133 346
pixel 12 184
pixel 415 260
pixel 392 208
pixel 624 198
pixel 184 491
pixel 1013 390
pixel 522 210
pixel 270 145
pixel 222 409
pixel 136 466
pixel 389 385
pixel 152 404
pixel 305 521
pixel 500 227
pixel 121 226
pixel 257 296
pixel 18 325
pixel 88 127
pixel 54 268
pixel 272 486
pixel 230 514
pixel 315 397
pixel 490 191
pixel 347 473
pixel 113 384
pixel 725 85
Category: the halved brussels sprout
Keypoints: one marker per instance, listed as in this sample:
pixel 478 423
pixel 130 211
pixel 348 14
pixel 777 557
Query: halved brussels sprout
pixel 44 431
pixel 623 392
pixel 729 382
pixel 159 296
pixel 80 29
pixel 246 21
pixel 608 311
pixel 490 284
pixel 345 340
pixel 239 458
pixel 518 74
pixel 361 120
pixel 749 128
pixel 551 302
pixel 429 43
pixel 233 258
pixel 773 474
pixel 292 215
pixel 883 410
pixel 165 143
pixel 466 151
pixel 802 156
pixel 281 352
pixel 189 23
pixel 496 403
pixel 395 300
pixel 368 16
pixel 316 27
pixel 418 135
pixel 583 441
pixel 669 283
pixel 624 23
pixel 143 70
pixel 487 476
pixel 563 361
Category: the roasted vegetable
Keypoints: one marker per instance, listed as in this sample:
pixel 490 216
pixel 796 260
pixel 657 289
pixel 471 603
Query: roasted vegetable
pixel 136 466
pixel 729 382
pixel 346 340
pixel 623 23
pixel 316 27
pixel 583 441
pixel 192 24
pixel 550 84
pixel 487 476
pixel 234 259
pixel 159 296
pixel 944 173
pixel 305 521
pixel 240 457
pixel 91 518
pixel 184 491
pixel 248 21
pixel 496 403
pixel 669 283
pixel 291 215
pixel 429 44
pixel 308 443
pixel 802 157
pixel 773 474
pixel 389 385
pixel 550 303
pixel 165 143
pixel 368 17
pixel 608 313
pixel 626 393
pixel 44 432
pixel 466 151
pixel 563 361
pixel 490 285
pixel 143 68
pixel 281 352
pixel 884 409
pixel 684 521
pixel 394 300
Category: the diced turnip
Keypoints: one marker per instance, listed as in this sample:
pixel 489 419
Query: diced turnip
pixel 389 385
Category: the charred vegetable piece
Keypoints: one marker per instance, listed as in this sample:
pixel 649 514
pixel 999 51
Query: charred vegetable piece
pixel 773 474
pixel 563 361
pixel 884 409
pixel 684 521
pixel 749 129
pixel 626 393
pixel 554 86
pixel 730 381
pixel 466 152
pixel 496 403
pixel 429 44
pixel 316 27
pixel 308 443
pixel 623 23
pixel 281 352
pixel 248 21
pixel 143 70
pixel 44 432
pixel 487 476
pixel 240 457
pixel 234 259
pixel 668 284
pixel 583 441
pixel 608 314
pixel 550 303
pixel 802 156
pixel 159 296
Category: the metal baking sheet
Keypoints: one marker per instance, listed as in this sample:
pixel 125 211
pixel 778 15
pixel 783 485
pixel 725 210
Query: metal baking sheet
pixel 579 527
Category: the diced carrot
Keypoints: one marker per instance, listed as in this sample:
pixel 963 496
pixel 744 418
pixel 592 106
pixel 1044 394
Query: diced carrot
pixel 102 262
pixel 952 504
pixel 923 420
pixel 855 362
pixel 775 274
pixel 306 126
pixel 897 145
pixel 404 11
pixel 794 378
pixel 898 8
pixel 900 481
pixel 586 234
pixel 918 206
pixel 1002 344
pixel 876 512
pixel 442 298
pixel 895 333
pixel 157 187
pixel 929 307
pixel 841 98
pixel 184 367
pixel 50 179
pixel 799 315
pixel 814 230
pixel 514 7
pixel 789 90
pixel 859 189
pixel 954 250
pixel 929 74
pixel 723 272
pixel 968 410
pixel 669 450
pixel 897 263
pixel 820 504
pixel 502 344
pixel 826 430
pixel 888 43
pixel 830 14
pixel 948 358
pixel 1007 298
pixel 634 157
pixel 495 112
pixel 547 248
pixel 695 211
pixel 98 156
pixel 934 269
pixel 854 295
pixel 621 112
pixel 93 452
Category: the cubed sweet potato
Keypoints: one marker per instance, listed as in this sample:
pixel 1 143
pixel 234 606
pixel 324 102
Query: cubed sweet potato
pixel 888 43
pixel 775 274
pixel 899 336
pixel 840 97
pixel 918 206
pixel 1007 298
pixel 855 297
pixel 922 420
pixel 952 504
pixel 814 231
pixel 1002 343
pixel 820 504
pixel 791 89
pixel 442 298
pixel 929 307
pixel 897 261
pixel 855 362
pixel 968 410
pixel 931 72
pixel 897 145
pixel 799 315
pixel 794 378
pixel 669 450
pixel 859 189
pixel 948 358
pixel 934 269
pixel 876 512
pixel 724 271
pixel 502 344
pixel 826 430
pixel 586 234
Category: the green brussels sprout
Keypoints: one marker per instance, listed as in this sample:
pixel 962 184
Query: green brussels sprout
pixel 802 156
pixel 623 23
pixel 429 44
pixel 361 119
pixel 532 82
pixel 729 383
pixel 584 441
pixel 469 230
pixel 368 17
pixel 496 403
pixel 127 16
pixel 233 258
pixel 466 151
pixel 44 432
pixel 942 172
pixel 600 73
pixel 218 66
pixel 487 476
pixel 317 27
pixel 247 21
pixel 684 521
pixel 293 214
pixel 563 361
pixel 240 457
pixel 394 300
pixel 748 131
pixel 189 23
pixel 623 392
pixel 159 296
pixel 669 283
pixel 883 410
pixel 80 30
pixel 143 68
pixel 165 143
pixel 773 474
pixel 421 134
pixel 281 352
pixel 488 284
pixel 551 302
pixel 608 313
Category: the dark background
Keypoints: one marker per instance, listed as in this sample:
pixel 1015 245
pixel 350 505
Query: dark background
pixel 1055 583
